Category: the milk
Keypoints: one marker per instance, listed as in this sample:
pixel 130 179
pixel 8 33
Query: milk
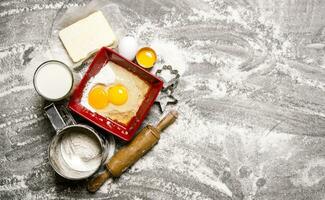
pixel 53 80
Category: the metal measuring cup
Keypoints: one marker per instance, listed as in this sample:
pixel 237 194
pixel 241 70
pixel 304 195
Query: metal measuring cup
pixel 62 128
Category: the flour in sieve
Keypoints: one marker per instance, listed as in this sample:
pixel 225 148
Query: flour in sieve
pixel 81 152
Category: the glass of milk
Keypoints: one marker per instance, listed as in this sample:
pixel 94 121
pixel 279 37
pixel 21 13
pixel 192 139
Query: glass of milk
pixel 53 80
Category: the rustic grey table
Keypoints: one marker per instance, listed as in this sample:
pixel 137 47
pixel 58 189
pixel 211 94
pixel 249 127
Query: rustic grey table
pixel 251 100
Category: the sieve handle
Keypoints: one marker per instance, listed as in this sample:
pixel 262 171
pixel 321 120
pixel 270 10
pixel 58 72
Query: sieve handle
pixel 68 118
pixel 54 117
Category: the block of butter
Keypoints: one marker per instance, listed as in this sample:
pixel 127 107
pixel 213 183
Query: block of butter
pixel 87 35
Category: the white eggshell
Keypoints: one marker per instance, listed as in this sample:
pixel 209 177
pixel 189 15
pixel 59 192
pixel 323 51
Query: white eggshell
pixel 128 47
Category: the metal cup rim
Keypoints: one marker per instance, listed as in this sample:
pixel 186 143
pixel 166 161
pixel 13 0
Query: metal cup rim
pixel 59 134
pixel 43 64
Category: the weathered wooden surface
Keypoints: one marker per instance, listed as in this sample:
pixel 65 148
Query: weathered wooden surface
pixel 251 100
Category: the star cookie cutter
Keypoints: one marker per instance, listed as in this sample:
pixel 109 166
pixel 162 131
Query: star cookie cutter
pixel 169 76
pixel 165 98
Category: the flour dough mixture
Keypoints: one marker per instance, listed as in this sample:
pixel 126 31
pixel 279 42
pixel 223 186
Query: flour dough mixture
pixel 112 74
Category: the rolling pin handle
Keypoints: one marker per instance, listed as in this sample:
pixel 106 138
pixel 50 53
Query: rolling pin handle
pixel 97 181
pixel 167 120
pixel 130 154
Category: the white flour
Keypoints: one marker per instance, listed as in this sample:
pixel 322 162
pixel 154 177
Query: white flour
pixel 81 152
pixel 105 76
pixel 169 54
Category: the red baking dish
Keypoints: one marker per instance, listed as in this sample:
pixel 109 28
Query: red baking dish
pixel 122 131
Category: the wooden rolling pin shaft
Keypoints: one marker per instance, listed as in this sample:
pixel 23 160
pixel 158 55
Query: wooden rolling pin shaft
pixel 130 154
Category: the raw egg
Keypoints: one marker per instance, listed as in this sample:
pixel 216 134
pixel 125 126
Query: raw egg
pixel 146 57
pixel 128 47
pixel 98 97
pixel 117 94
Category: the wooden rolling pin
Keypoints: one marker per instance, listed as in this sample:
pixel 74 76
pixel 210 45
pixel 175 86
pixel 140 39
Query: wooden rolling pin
pixel 131 153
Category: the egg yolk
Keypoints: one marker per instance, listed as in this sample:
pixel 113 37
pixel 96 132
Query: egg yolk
pixel 117 94
pixel 98 97
pixel 146 57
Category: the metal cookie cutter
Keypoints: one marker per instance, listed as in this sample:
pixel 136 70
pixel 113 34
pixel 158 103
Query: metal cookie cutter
pixel 170 78
pixel 164 99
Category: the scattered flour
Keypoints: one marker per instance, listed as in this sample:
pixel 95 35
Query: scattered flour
pixel 36 7
pixel 312 173
pixel 15 182
pixel 14 49
pixel 38 59
pixel 297 76
pixel 190 130
pixel 169 54
pixel 16 89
